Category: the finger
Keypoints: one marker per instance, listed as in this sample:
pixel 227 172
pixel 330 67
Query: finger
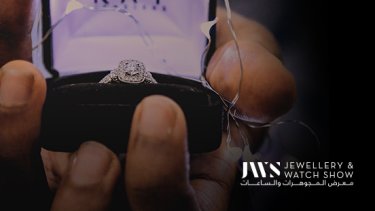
pixel 56 165
pixel 246 30
pixel 22 93
pixel 16 20
pixel 90 181
pixel 268 89
pixel 212 177
pixel 157 160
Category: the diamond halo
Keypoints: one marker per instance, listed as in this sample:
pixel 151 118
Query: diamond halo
pixel 131 72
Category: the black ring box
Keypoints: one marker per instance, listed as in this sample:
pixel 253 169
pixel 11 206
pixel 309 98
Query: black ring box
pixel 79 109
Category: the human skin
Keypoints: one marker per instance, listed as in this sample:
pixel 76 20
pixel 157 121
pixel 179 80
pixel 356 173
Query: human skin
pixel 159 172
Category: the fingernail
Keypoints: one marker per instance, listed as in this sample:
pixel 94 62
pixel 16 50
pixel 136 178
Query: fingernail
pixel 16 86
pixel 91 164
pixel 157 119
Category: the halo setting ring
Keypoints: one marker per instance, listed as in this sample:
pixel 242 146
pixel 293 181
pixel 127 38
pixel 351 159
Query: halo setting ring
pixel 130 72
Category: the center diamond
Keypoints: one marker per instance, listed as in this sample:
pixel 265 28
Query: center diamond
pixel 131 71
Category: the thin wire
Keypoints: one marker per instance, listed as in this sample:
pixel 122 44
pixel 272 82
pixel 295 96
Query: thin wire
pixel 235 40
pixel 228 105
pixel 285 122
pixel 206 29
pixel 232 104
pixel 48 33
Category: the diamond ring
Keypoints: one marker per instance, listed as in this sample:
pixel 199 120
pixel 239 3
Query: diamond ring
pixel 131 72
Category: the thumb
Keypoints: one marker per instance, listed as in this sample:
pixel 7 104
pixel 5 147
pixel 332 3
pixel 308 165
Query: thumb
pixel 22 93
pixel 157 170
pixel 267 89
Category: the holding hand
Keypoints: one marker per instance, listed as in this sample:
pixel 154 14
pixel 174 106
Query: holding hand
pixel 159 172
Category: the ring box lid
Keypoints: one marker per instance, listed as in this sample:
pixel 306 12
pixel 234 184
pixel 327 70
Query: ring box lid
pixel 164 34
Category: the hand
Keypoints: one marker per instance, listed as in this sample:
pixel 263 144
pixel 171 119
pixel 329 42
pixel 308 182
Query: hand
pixel 159 173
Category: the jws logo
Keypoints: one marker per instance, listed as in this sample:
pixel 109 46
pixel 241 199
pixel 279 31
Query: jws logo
pixel 261 169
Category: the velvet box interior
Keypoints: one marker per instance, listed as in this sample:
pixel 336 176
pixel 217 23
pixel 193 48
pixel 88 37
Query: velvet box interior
pixel 91 37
